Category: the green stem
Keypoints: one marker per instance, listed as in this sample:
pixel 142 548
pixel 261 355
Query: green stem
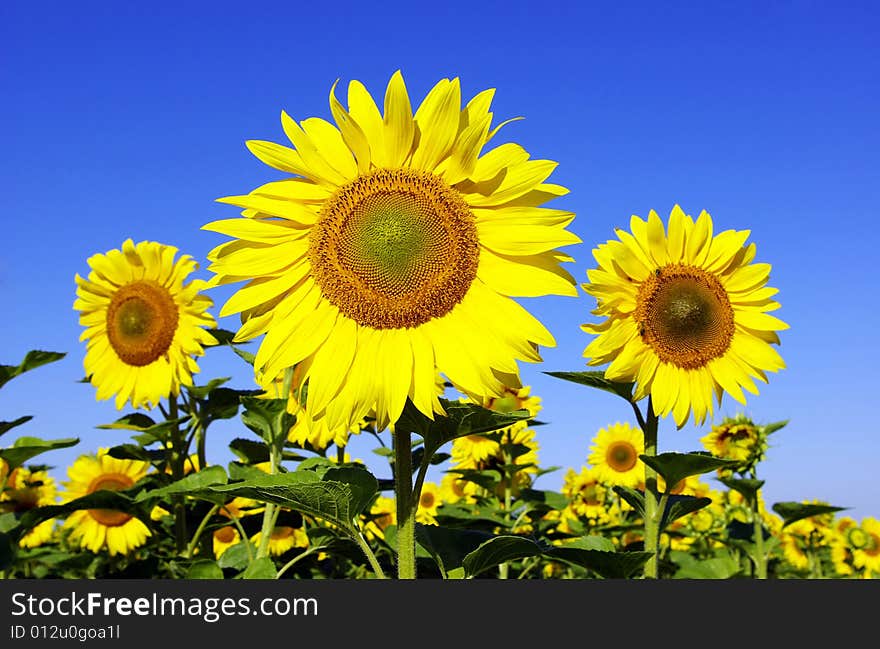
pixel 177 460
pixel 201 528
pixel 269 513
pixel 760 554
pixel 374 562
pixel 244 539
pixel 297 558
pixel 504 568
pixel 403 491
pixel 649 427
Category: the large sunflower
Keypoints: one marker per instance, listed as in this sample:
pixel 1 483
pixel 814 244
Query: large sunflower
pixel 143 323
pixel 686 314
pixel 615 455
pixel 26 490
pixel 393 250
pixel 95 529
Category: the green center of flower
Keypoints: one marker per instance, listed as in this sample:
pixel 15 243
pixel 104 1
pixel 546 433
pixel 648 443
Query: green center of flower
pixel 141 322
pixel 684 315
pixel 110 482
pixel 858 538
pixel 394 248
pixel 621 456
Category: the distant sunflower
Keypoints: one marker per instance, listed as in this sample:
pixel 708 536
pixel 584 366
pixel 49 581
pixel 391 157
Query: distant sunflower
pixel 382 514
pixel 736 438
pixel 585 494
pixel 117 531
pixel 393 250
pixel 283 538
pixel 143 324
pixel 26 490
pixel 686 314
pixel 224 538
pixel 429 502
pixel 865 543
pixel 615 455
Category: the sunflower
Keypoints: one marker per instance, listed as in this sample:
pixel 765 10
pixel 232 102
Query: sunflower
pixel 95 529
pixel 453 488
pixel 26 490
pixel 394 251
pixel 686 314
pixel 429 502
pixel 224 538
pixel 382 514
pixel 615 455
pixel 143 323
pixel 865 543
pixel 585 493
pixel 283 538
pixel 736 438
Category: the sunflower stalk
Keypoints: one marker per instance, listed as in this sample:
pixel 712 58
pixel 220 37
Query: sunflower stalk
pixel 190 549
pixel 177 473
pixel 406 499
pixel 760 553
pixel 653 512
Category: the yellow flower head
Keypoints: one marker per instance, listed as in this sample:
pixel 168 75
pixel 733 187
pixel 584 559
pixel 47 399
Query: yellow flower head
pixel 143 324
pixel 392 251
pixel 686 314
pixel 737 438
pixel 224 538
pixel 95 529
pixel 25 490
pixel 382 514
pixel 283 538
pixel 615 455
pixel 865 543
pixel 586 494
pixel 429 501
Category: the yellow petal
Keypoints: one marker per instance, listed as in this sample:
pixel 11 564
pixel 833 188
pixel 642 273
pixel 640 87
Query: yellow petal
pixel 399 128
pixel 436 121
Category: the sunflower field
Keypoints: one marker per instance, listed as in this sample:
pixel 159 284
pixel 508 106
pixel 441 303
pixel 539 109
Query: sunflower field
pixel 381 292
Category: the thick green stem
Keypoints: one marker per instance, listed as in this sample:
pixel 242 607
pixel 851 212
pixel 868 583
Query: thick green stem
pixel 504 568
pixel 178 457
pixel 760 554
pixel 406 520
pixel 270 513
pixel 653 513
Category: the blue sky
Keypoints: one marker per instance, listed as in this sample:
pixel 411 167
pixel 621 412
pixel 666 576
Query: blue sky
pixel 129 121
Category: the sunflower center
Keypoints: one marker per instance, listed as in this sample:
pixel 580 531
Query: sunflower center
pixel 110 482
pixel 394 248
pixel 684 315
pixel 225 534
pixel 281 533
pixel 621 456
pixel 141 322
pixel 426 500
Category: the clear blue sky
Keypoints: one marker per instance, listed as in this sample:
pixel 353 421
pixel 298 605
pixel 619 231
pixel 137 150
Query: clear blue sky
pixel 130 121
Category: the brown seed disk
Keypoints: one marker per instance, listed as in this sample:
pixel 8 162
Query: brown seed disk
pixel 621 456
pixel 684 315
pixel 111 482
pixel 394 248
pixel 141 322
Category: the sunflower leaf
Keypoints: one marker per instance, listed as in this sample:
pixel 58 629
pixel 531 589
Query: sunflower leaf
pixel 449 546
pixel 461 419
pixel 32 360
pixel 498 550
pixel 268 418
pixel 262 568
pixel 678 506
pixel 204 569
pixel 721 566
pixel 191 484
pixel 636 499
pixel 202 391
pixel 6 426
pixel 597 380
pixel 610 565
pixel 746 486
pixel 772 428
pixel 794 511
pixel 25 448
pixel 133 421
pixel 338 497
pixel 222 336
pixel 675 467
pixel 136 452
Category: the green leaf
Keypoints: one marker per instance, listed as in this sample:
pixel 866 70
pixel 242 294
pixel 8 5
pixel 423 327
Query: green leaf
pixel 268 418
pixel 550 499
pixel 592 542
pixel 610 565
pixel 204 569
pixel 202 391
pixel 336 501
pixel 448 545
pixel 461 419
pixel 102 499
pixel 498 550
pixel 678 506
pixel 721 566
pixel 597 380
pixel 32 360
pixel 25 448
pixel 223 336
pixel 237 556
pixel 636 499
pixel 6 426
pixel 133 421
pixel 136 452
pixel 675 467
pixel 7 551
pixel 262 568
pixel 248 357
pixel 194 482
pixel 794 511
pixel 249 451
pixel 8 521
pixel 224 403
pixel 487 479
pixel 769 429
pixel 746 486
